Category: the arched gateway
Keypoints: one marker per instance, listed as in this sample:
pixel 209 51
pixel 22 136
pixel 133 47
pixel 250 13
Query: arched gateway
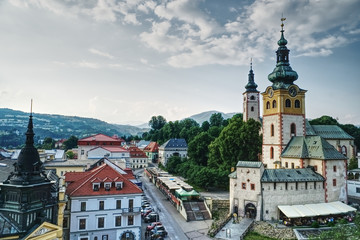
pixel 250 210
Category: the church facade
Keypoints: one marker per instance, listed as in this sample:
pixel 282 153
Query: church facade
pixel 298 166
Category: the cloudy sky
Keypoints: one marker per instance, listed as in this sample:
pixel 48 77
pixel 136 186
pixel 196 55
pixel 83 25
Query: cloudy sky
pixel 125 61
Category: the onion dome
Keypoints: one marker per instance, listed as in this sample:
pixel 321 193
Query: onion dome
pixel 251 85
pixel 282 76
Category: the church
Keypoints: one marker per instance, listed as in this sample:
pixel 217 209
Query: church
pixel 300 163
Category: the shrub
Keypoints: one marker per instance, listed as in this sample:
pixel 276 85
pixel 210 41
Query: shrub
pixel 315 224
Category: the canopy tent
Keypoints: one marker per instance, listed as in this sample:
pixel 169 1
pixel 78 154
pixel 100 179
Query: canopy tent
pixel 312 210
pixel 182 193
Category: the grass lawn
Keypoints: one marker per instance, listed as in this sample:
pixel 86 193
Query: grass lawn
pixel 255 236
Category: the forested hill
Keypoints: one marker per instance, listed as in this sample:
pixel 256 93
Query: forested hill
pixel 13 125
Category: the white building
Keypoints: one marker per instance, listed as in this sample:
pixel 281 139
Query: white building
pixel 173 147
pixel 110 152
pixel 104 204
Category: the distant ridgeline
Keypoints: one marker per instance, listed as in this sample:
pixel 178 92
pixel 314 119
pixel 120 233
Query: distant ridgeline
pixel 13 125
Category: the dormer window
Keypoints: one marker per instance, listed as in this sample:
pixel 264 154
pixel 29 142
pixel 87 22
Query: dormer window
pixel 119 185
pixel 96 186
pixel 107 186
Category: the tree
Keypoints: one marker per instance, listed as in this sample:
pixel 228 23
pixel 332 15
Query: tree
pixel 70 154
pixel 157 122
pixel 205 126
pixel 70 143
pixel 324 120
pixel 353 164
pixel 198 148
pixel 48 143
pixel 173 163
pixel 239 141
pixel 216 119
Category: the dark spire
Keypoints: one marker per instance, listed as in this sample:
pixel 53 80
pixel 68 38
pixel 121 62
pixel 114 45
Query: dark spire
pixel 282 76
pixel 251 85
pixel 28 169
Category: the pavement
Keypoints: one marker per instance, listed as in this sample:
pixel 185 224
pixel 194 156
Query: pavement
pixel 234 230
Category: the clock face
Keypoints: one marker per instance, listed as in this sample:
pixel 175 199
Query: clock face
pixel 292 91
pixel 271 93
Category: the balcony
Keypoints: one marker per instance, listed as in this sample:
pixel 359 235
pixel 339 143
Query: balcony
pixel 130 211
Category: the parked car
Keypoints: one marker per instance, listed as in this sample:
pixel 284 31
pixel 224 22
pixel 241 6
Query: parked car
pixel 156 236
pixel 152 225
pixel 144 210
pixel 152 217
pixel 144 214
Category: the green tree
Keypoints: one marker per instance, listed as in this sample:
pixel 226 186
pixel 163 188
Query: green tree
pixel 205 126
pixel 157 122
pixel 237 141
pixel 198 148
pixel 70 154
pixel 48 143
pixel 173 163
pixel 324 120
pixel 216 119
pixel 70 143
pixel 353 163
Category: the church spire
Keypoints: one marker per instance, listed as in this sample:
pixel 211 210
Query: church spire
pixel 282 76
pixel 251 85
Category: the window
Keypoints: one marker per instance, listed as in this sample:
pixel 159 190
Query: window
pixel 334 182
pixel 272 130
pixel 297 104
pixel 305 185
pixel 243 185
pixel 83 206
pixel 252 98
pixel 130 220
pixel 82 152
pixel 105 237
pixel 101 205
pixel 274 104
pixel 286 164
pixel 118 204
pixel 117 221
pixel 96 186
pixel 286 186
pixel 357 190
pixel 131 204
pixel 82 224
pixel 274 186
pixel 344 150
pixel 334 168
pixel 315 168
pixel 267 105
pixel 65 222
pixel 107 186
pixel 101 222
pixel 293 129
pixel 272 153
pixel 287 103
pixel 314 185
pixel 252 109
pixel 296 186
pixel 292 165
pixel 252 186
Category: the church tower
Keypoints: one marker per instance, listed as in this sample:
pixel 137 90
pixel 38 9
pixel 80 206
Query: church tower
pixel 26 197
pixel 283 107
pixel 251 108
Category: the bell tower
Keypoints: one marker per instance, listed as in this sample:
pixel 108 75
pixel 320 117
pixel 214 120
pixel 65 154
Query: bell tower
pixel 251 108
pixel 283 107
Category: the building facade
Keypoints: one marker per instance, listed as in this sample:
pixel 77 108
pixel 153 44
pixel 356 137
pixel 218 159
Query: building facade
pixel 173 147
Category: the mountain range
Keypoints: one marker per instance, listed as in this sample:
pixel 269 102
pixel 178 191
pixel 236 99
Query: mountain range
pixel 13 125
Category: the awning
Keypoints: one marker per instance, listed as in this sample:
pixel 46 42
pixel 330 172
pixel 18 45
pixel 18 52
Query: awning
pixel 312 210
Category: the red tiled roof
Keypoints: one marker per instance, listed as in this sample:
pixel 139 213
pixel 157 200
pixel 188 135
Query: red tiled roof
pixel 152 147
pixel 135 152
pixel 100 138
pixel 80 183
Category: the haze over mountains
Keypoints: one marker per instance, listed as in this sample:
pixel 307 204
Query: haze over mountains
pixel 13 125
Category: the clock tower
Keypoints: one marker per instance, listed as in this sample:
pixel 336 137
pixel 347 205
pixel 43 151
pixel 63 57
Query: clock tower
pixel 283 107
pixel 251 108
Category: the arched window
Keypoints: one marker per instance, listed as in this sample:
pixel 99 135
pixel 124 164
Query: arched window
pixel 267 105
pixel 274 104
pixel 293 129
pixel 252 109
pixel 344 150
pixel 287 103
pixel 252 98
pixel 272 130
pixel 271 153
pixel 297 103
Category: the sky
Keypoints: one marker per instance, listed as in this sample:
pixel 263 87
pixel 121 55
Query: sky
pixel 125 61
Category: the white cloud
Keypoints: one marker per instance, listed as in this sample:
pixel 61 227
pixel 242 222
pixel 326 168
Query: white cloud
pixel 100 53
pixel 85 64
pixel 131 18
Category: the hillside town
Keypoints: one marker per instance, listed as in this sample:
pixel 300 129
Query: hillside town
pixel 295 180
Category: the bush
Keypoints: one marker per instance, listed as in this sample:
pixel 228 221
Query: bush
pixel 331 224
pixel 315 224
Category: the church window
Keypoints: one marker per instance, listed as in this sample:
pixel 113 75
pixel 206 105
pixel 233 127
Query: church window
pixel 83 206
pixel 252 98
pixel 334 182
pixel 286 164
pixel 297 103
pixel 293 129
pixel 272 153
pixel 274 104
pixel 252 186
pixel 287 103
pixel 344 150
pixel 272 130
pixel 252 109
pixel 268 105
pixel 334 168
pixel 243 185
pixel 82 223
pixel 292 165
